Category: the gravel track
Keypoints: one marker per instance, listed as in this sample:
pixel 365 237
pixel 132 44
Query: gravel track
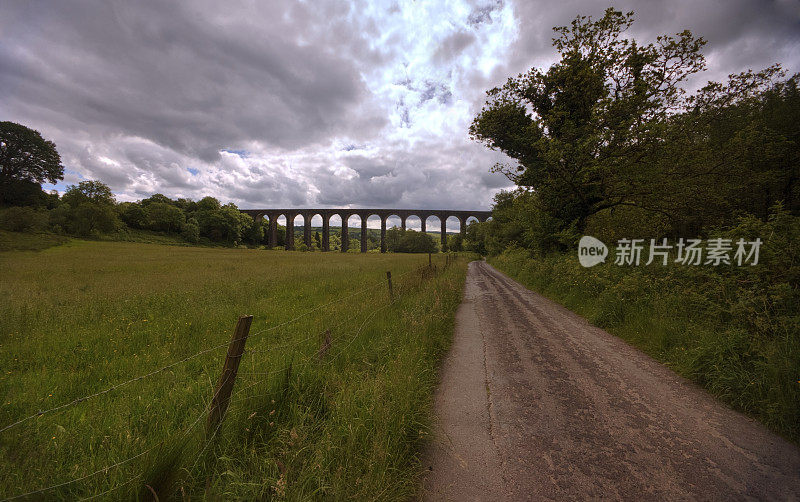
pixel 537 404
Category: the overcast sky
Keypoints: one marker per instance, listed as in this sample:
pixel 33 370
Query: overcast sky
pixel 317 103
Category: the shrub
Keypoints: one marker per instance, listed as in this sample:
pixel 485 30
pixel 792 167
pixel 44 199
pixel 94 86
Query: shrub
pixel 93 219
pixel 23 219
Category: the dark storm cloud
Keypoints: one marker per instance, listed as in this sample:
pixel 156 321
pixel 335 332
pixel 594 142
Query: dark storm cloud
pixel 192 80
pixel 741 34
pixel 312 103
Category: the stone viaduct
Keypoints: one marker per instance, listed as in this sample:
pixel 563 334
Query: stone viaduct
pixel 290 214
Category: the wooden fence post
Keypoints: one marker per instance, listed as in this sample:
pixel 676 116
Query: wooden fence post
pixel 222 392
pixel 429 260
pixel 389 278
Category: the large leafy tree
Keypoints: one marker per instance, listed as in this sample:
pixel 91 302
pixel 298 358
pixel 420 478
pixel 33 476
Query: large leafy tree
pixel 26 156
pixel 583 132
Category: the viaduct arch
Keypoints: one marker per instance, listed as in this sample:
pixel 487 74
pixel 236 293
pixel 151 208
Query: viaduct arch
pixel 290 214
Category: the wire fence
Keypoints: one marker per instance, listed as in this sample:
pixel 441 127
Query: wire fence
pixel 423 272
pixel 193 356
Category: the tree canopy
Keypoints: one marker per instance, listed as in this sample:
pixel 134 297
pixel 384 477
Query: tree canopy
pixel 582 132
pixel 25 155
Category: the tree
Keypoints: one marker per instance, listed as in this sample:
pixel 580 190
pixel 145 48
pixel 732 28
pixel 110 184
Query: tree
pixel 476 237
pixel 223 224
pixel 207 204
pixel 23 193
pixel 733 151
pixel 409 241
pixel 334 242
pixel 26 156
pixel 455 243
pixel 393 236
pixel 582 132
pixel 95 192
pixel 132 214
pixel 87 209
pixel 254 231
pixel 164 217
pixel 191 231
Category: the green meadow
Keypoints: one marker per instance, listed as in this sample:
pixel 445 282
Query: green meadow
pixel 348 422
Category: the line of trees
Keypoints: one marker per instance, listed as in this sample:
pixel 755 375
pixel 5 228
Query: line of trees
pixel 89 209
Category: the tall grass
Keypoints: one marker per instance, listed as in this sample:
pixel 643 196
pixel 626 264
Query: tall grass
pixel 85 316
pixel 718 329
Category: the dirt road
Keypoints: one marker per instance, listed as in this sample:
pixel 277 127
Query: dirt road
pixel 537 404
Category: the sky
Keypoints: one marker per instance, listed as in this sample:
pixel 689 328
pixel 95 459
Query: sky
pixel 313 103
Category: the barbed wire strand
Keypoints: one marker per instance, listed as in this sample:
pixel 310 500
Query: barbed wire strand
pixel 239 391
pixel 121 462
pixel 175 363
pixel 296 342
pixel 307 360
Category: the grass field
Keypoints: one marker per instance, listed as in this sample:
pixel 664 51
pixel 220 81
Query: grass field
pixel 84 316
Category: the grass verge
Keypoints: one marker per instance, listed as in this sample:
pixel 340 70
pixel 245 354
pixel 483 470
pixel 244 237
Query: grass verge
pixel 81 318
pixel 689 318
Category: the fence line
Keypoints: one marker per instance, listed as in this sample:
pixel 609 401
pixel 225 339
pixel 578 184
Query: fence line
pixel 188 358
pixel 209 440
pixel 293 343
pixel 267 374
pixel 205 408
pixel 121 462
